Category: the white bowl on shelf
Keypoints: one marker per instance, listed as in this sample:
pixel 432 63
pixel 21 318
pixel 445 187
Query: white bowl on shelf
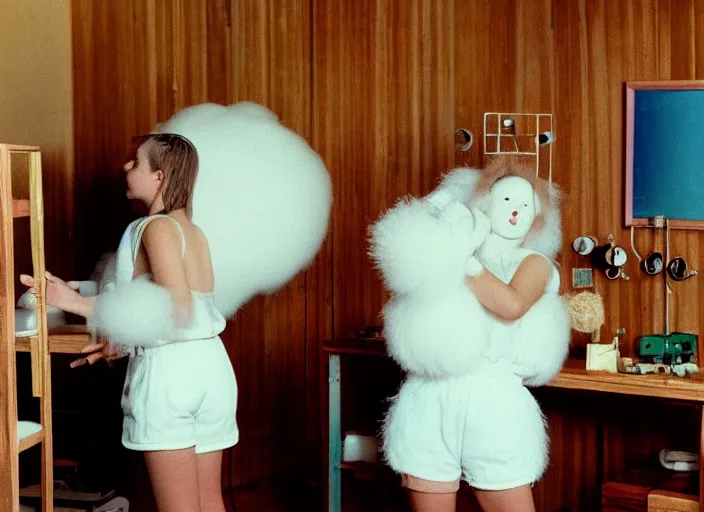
pixel 358 447
pixel 26 317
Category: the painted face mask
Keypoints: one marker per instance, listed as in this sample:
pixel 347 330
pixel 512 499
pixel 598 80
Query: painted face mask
pixel 512 207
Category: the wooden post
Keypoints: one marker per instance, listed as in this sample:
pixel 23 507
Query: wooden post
pixel 9 445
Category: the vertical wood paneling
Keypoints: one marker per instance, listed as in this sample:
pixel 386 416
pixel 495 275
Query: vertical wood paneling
pixel 271 65
pixel 378 87
pixel 384 97
pixel 137 63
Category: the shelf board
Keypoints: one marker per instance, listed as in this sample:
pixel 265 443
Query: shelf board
pixel 17 148
pixel 31 440
pixel 66 339
pixel 573 376
pixel 20 208
pixel 23 344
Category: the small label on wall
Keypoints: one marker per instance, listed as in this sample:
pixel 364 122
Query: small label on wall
pixel 582 278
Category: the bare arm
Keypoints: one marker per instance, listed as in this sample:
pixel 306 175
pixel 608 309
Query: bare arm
pixel 510 302
pixel 162 242
pixel 163 245
pixel 60 295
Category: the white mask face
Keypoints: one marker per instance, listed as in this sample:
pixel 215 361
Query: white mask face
pixel 512 207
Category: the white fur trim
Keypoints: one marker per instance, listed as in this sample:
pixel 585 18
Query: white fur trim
pixel 549 239
pixel 137 313
pixel 542 347
pixel 416 251
pixel 263 197
pixel 460 182
pixel 436 336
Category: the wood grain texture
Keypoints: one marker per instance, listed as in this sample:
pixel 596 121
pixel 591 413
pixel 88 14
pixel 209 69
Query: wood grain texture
pixel 9 479
pixel 137 63
pixel 383 101
pixel 567 57
pixel 379 88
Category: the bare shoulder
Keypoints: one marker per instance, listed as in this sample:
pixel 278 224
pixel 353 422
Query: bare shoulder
pixel 161 232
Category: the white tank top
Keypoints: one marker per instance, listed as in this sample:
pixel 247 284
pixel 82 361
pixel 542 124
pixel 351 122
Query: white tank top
pixel 503 336
pixel 207 321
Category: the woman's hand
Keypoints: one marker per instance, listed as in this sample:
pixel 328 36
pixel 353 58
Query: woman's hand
pixel 98 351
pixel 60 295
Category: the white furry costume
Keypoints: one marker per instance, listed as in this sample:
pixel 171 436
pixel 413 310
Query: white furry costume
pixel 263 198
pixel 463 410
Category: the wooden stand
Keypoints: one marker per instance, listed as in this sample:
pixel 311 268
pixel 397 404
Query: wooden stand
pixel 10 443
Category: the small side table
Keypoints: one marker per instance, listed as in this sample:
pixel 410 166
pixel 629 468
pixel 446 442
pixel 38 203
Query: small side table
pixel 335 349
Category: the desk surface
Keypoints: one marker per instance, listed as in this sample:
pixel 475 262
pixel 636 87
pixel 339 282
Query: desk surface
pixel 572 376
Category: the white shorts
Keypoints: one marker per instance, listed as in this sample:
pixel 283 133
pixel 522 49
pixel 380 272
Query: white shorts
pixel 180 395
pixel 486 429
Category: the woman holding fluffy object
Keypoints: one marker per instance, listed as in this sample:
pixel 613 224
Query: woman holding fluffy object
pixel 180 394
pixel 474 317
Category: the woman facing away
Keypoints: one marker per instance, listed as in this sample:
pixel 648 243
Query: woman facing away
pixel 180 392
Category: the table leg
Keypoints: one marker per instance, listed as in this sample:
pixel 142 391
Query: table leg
pixel 701 463
pixel 334 435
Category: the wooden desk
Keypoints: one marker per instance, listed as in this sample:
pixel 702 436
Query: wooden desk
pixel 66 339
pixel 572 376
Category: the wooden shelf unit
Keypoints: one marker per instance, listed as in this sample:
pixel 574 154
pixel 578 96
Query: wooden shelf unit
pixel 66 339
pixel 38 346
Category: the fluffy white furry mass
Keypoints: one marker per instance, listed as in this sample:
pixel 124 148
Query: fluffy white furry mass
pixel 435 327
pixel 135 313
pixel 262 197
pixel 543 347
pixel 416 250
pixel 433 324
pixel 436 336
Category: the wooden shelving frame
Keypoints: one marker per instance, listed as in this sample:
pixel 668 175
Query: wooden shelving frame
pixel 38 345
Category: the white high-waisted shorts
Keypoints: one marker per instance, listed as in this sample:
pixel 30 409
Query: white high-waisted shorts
pixel 180 395
pixel 486 429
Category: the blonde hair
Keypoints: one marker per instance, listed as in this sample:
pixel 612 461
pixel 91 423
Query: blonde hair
pixel 177 158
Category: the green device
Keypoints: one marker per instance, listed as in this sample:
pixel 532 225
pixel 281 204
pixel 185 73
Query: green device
pixel 674 348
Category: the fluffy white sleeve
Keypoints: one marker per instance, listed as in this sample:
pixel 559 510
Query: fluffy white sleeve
pixel 416 251
pixel 137 313
pixel 436 336
pixel 543 344
pixel 433 324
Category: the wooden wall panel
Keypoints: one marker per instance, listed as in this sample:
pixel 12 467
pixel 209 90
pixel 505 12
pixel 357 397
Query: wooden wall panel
pixel 271 65
pixel 600 46
pixel 379 88
pixel 570 58
pixel 383 123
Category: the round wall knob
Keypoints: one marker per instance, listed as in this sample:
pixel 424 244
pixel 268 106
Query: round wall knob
pixel 583 245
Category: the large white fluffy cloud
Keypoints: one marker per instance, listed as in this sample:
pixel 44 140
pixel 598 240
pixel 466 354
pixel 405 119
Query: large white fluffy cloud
pixel 263 197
